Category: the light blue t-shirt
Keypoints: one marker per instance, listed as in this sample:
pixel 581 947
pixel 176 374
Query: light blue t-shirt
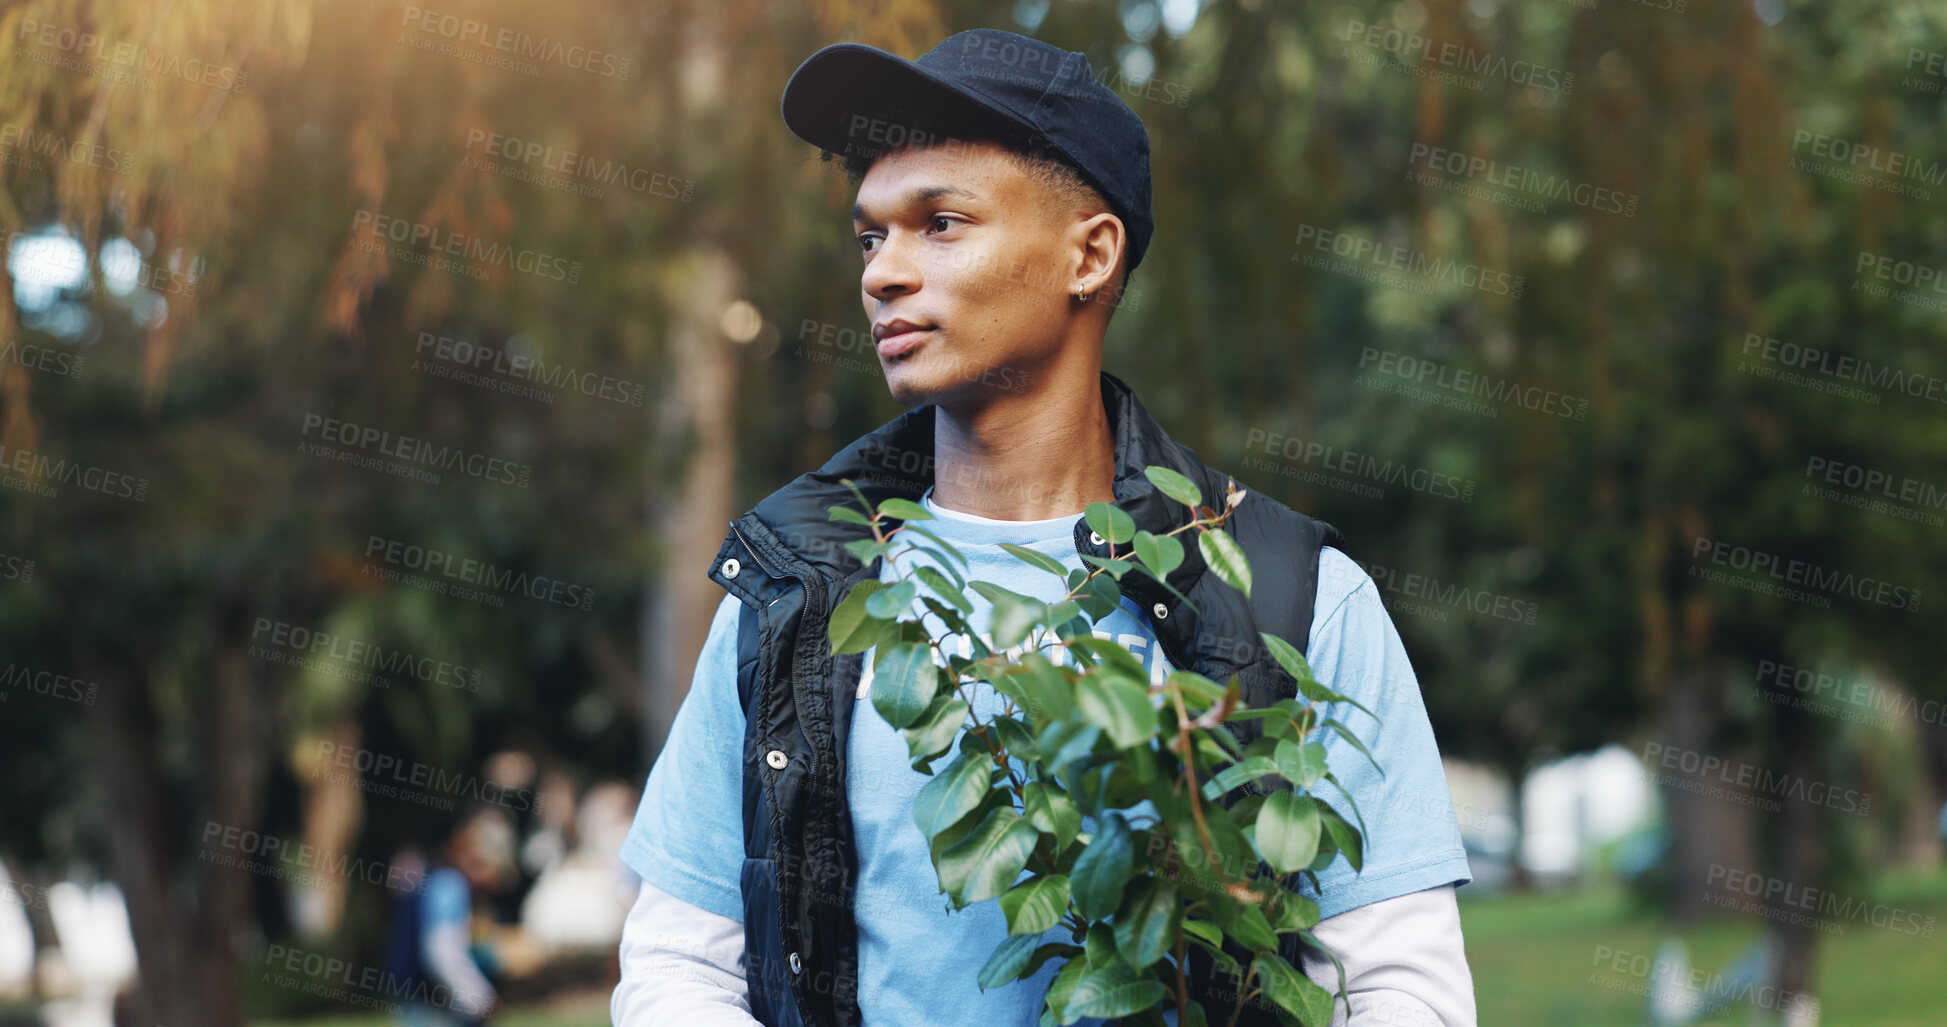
pixel 917 958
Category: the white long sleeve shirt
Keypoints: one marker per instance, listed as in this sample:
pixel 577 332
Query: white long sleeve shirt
pixel 1405 965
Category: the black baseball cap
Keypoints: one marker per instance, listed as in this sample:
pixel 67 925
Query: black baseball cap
pixel 854 99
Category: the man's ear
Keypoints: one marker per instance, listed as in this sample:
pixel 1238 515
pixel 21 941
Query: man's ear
pixel 1098 241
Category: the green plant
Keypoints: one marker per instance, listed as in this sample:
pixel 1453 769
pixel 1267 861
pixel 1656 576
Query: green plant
pixel 1172 859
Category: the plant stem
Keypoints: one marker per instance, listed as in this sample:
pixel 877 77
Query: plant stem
pixel 1182 985
pixel 1190 779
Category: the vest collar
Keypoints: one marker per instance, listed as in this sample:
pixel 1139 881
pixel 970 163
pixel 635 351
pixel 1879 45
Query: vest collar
pixel 791 534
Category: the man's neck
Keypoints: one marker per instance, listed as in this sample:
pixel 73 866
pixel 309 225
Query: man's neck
pixel 1026 457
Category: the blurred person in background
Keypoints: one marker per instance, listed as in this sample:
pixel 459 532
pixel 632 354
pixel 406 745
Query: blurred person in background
pixel 432 952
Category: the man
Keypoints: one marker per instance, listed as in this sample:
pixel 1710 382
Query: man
pixel 1003 198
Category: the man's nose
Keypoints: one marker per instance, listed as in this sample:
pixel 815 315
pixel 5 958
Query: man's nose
pixel 894 269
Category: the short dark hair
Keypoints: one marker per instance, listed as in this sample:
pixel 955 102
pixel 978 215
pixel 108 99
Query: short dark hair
pixel 1033 155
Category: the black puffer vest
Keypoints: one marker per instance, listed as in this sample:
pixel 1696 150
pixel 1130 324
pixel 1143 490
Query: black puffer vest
pixel 786 561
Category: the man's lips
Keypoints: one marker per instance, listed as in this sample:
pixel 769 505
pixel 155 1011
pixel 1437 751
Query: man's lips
pixel 902 343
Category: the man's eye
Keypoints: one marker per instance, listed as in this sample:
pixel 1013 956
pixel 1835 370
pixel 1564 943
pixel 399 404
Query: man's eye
pixel 941 222
pixel 866 241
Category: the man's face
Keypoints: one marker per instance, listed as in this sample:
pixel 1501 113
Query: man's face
pixel 967 261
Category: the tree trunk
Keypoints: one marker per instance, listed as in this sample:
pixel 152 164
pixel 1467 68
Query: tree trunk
pixel 1799 847
pixel 1704 830
pixel 696 432
pixel 184 912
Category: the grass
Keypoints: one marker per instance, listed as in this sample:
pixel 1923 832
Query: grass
pixel 1548 960
pixel 581 1013
pixel 1535 963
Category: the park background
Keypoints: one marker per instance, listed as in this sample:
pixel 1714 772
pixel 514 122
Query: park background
pixel 1586 321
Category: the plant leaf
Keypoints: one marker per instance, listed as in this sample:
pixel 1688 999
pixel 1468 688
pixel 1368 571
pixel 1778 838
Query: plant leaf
pixel 946 590
pixel 1060 989
pixel 1112 992
pixel 1116 567
pixel 846 513
pixel 1287 832
pixel 1353 740
pixel 933 733
pixel 1253 931
pixel 1039 686
pixel 1102 869
pixel 1237 774
pixel 1038 559
pixel 1009 960
pixel 952 793
pixel 1295 664
pixel 1110 521
pixel 904 681
pixel 1344 835
pixel 1146 922
pixel 1225 557
pixel 905 510
pixel 1302 765
pixel 1036 904
pixel 1050 809
pixel 1174 485
pixel 851 629
pixel 1100 596
pixel 1160 554
pixel 985 863
pixel 893 601
pixel 1294 992
pixel 1118 707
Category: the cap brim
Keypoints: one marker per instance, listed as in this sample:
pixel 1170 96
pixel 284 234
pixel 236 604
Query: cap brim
pixel 850 98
